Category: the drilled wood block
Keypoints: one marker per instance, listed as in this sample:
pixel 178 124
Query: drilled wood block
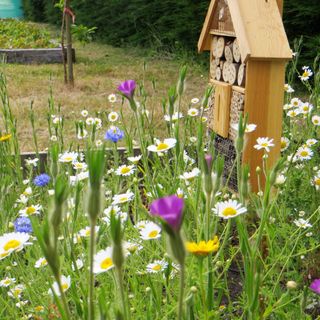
pixel 236 107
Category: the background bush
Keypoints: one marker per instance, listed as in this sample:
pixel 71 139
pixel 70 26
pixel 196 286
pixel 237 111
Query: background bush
pixel 167 24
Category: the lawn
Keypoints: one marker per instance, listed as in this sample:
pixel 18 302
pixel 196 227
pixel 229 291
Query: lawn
pixel 98 71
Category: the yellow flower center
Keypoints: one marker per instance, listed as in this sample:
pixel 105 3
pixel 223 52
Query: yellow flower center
pixel 125 170
pixel 305 108
pixel 12 244
pixel 123 199
pixel 7 281
pixel 39 308
pixel 305 74
pixel 30 210
pixel 304 153
pixel 68 159
pixel 265 144
pixel 153 234
pixel 283 144
pixel 157 267
pixel 317 182
pixel 43 262
pixel 229 211
pixel 162 146
pixel 65 286
pixel 87 233
pixel 106 263
pixel 316 121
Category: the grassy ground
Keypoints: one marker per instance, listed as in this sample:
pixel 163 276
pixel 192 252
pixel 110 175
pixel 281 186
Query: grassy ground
pixel 98 71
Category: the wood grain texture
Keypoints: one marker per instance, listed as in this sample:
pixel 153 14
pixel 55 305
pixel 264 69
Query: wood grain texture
pixel 221 115
pixel 204 39
pixel 263 103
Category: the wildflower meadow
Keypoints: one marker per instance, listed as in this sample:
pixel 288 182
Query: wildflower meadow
pixel 152 230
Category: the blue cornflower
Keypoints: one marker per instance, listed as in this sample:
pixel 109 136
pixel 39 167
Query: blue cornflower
pixel 23 224
pixel 41 180
pixel 114 134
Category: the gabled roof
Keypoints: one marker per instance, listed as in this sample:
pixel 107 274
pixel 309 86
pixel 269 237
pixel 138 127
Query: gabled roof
pixel 258 27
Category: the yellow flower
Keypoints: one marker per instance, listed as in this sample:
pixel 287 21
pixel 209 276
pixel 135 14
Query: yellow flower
pixel 5 137
pixel 203 248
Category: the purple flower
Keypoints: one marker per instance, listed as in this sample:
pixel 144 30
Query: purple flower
pixel 315 286
pixel 41 180
pixel 169 209
pixel 23 224
pixel 114 134
pixel 127 88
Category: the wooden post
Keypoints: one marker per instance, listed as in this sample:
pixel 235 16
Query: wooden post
pixel 69 45
pixel 264 106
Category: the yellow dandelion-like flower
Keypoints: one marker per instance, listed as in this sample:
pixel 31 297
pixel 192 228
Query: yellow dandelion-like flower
pixel 5 137
pixel 203 248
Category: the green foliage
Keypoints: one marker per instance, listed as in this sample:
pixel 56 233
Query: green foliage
pixel 19 34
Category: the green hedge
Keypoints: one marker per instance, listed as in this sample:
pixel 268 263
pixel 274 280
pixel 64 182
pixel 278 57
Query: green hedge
pixel 167 24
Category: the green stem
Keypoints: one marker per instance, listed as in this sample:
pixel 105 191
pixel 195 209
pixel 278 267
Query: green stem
pixel 122 295
pixel 182 276
pixel 91 275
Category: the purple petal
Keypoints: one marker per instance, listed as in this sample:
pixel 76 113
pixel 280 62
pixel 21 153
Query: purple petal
pixel 127 88
pixel 169 209
pixel 315 286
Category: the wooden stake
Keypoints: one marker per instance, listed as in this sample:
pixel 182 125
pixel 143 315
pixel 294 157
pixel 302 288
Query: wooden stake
pixel 69 45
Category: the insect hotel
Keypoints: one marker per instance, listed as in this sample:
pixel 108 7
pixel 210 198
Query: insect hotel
pixel 248 54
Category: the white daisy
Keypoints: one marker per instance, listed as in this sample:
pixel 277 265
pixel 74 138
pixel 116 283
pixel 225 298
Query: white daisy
pixel 187 159
pixel 84 113
pixel 135 159
pixel 157 266
pixel 56 120
pixel 285 142
pixel 22 199
pixel 32 162
pixel 250 127
pixel 79 165
pixel 123 216
pixel 188 176
pixel 79 177
pixel 132 247
pixel 193 112
pixel 85 233
pixel 42 262
pixel 163 146
pixel 14 241
pixel 122 198
pixel 264 143
pixel 112 98
pixel 142 224
pixel 304 153
pixel 316 181
pixel 65 284
pixel 295 102
pixel 6 282
pixel 311 142
pixel 90 121
pixel 306 108
pixel 195 100
pixel 113 116
pixel 125 170
pixel 316 120
pixel 288 88
pixel 79 265
pixel 307 73
pixel 293 113
pixel 174 117
pixel 103 261
pixel 204 119
pixel 31 210
pixel 54 138
pixel 16 291
pixel 68 157
pixel 281 179
pixel 180 193
pixel 229 209
pixel 193 139
pixel 150 231
pixel 287 106
pixel 301 223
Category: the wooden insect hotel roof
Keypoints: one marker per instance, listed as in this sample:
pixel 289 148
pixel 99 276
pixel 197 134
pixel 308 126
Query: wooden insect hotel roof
pixel 257 24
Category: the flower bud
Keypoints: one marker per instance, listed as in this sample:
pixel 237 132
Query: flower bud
pixel 194 289
pixel 292 284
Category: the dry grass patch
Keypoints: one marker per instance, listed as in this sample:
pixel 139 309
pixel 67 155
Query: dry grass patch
pixel 98 71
